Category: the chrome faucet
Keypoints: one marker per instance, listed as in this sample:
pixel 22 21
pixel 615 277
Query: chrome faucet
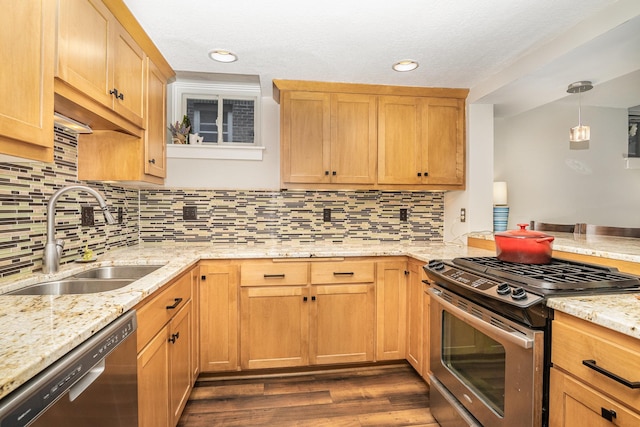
pixel 53 248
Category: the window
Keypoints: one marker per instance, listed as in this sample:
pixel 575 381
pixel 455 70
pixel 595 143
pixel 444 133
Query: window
pixel 223 114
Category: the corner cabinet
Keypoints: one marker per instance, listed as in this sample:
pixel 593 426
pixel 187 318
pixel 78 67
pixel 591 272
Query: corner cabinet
pixel 371 136
pixel 165 344
pixel 27 30
pixel 594 373
pixel 110 76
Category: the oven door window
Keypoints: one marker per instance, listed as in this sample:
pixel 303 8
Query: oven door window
pixel 476 359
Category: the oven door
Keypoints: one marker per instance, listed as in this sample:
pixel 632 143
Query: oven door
pixel 487 368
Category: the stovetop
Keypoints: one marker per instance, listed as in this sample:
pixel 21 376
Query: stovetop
pixel 519 291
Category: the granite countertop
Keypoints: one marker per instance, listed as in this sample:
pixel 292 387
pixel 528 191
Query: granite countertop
pixel 35 331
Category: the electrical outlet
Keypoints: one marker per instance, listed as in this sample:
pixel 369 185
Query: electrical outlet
pixel 189 213
pixel 403 215
pixel 326 215
pixel 86 215
pixel 120 215
pixel 463 215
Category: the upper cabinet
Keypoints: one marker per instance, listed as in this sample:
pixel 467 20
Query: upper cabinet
pixel 27 31
pixel 99 62
pixel 370 136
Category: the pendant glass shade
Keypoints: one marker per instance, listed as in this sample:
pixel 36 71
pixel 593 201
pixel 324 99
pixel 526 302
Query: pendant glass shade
pixel 580 134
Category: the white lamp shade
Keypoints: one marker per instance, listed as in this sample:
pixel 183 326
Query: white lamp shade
pixel 500 193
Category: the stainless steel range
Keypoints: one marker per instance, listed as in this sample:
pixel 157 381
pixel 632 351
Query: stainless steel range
pixel 490 333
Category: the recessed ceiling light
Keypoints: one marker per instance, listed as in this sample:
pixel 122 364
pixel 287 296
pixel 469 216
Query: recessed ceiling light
pixel 405 65
pixel 223 55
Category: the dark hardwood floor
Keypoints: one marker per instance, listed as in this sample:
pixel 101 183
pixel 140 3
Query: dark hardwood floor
pixel 389 395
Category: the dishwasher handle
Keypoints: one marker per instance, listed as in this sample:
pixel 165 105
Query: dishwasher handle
pixel 88 379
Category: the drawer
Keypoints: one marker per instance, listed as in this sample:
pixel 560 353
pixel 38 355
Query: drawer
pixel 153 315
pixel 342 272
pixel 575 340
pixel 270 273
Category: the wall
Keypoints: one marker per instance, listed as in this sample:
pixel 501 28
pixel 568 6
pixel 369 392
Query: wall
pixel 549 182
pixel 25 189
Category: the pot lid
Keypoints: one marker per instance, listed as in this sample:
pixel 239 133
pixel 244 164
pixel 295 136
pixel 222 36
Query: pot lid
pixel 523 233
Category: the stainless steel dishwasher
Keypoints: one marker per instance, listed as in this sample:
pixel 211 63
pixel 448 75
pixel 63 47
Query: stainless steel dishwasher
pixel 95 384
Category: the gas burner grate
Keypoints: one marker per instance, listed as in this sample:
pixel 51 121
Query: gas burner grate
pixel 559 274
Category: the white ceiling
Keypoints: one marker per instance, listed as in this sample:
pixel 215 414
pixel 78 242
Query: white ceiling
pixel 516 54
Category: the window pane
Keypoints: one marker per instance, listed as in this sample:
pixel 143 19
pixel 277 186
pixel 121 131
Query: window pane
pixel 238 120
pixel 203 114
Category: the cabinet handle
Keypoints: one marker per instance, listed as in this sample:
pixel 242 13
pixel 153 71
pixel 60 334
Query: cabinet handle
pixel 334 173
pixel 426 174
pixel 174 337
pixel 274 276
pixel 114 92
pixel 406 273
pixel 326 172
pixel 592 364
pixel 608 414
pixel 120 96
pixel 203 277
pixel 313 298
pixel 345 273
pixel 153 161
pixel 419 174
pixel 176 301
pixel 304 299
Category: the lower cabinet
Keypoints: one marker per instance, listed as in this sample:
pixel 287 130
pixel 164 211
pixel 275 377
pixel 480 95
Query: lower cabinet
pixel 415 316
pixel 165 346
pixel 302 313
pixel 391 305
pixel 218 317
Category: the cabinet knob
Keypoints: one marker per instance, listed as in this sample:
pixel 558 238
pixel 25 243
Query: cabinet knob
pixel 326 172
pixel 419 174
pixel 203 277
pixel 334 173
pixel 152 161
pixel 313 298
pixel 304 299
pixel 426 174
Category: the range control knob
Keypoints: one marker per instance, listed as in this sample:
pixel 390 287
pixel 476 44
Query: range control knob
pixel 503 289
pixel 436 264
pixel 518 294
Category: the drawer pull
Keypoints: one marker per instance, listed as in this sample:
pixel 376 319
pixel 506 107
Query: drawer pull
pixel 608 414
pixel 176 302
pixel 174 337
pixel 346 273
pixel 592 364
pixel 274 276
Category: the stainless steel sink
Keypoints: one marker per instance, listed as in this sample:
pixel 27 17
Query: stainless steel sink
pixel 73 286
pixel 119 272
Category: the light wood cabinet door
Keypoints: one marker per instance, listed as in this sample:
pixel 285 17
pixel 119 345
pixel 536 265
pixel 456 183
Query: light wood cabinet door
pixel 195 326
pixel 305 133
pixel 400 139
pixel 574 404
pixel 353 139
pixel 155 156
pixel 180 374
pixel 129 77
pixel 342 323
pixel 27 30
pixel 274 327
pixel 442 154
pixel 426 336
pixel 415 316
pixel 391 303
pixel 153 382
pixel 218 316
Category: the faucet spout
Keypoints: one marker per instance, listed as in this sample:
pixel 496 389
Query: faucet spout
pixel 53 248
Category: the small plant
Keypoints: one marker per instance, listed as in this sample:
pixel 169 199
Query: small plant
pixel 180 131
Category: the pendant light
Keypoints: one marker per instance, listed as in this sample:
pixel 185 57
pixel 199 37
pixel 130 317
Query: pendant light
pixel 580 133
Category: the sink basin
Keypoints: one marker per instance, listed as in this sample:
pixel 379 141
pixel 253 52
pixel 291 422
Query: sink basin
pixel 118 272
pixel 73 286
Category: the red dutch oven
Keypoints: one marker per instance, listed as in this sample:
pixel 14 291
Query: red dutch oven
pixel 524 246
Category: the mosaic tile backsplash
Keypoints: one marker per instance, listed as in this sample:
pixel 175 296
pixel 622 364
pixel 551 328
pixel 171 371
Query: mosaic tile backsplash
pixel 289 216
pixel 157 215
pixel 25 189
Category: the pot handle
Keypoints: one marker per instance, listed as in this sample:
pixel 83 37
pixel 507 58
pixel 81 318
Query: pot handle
pixel 546 239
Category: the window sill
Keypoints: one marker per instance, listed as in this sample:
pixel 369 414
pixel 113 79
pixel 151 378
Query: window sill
pixel 198 151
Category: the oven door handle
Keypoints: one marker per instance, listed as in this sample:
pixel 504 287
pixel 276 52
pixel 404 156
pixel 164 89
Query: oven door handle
pixel 514 338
